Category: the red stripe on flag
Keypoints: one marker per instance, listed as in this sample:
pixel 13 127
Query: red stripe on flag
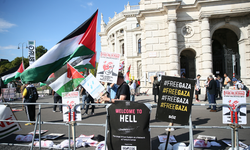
pixel 21 68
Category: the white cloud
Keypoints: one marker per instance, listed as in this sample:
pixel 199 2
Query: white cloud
pixel 83 6
pixel 90 4
pixel 8 47
pixel 4 25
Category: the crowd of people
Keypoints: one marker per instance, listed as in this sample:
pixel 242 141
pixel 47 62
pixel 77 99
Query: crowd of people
pixel 123 90
pixel 214 86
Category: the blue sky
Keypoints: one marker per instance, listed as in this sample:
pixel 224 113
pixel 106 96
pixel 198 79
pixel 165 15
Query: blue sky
pixel 48 21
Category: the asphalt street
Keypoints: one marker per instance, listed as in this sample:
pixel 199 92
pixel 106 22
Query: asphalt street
pixel 200 117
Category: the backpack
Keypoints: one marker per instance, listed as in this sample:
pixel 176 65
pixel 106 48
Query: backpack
pixel 32 94
pixel 247 90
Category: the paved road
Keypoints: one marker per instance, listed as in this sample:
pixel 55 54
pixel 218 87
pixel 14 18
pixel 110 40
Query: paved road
pixel 200 117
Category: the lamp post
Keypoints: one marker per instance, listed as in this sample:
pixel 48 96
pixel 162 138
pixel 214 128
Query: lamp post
pixel 22 48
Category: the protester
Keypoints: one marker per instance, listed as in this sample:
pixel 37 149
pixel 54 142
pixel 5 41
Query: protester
pixel 156 85
pixel 197 88
pixel 132 86
pixel 138 87
pixel 212 91
pixel 28 97
pixel 123 92
pixel 220 87
pixel 108 90
pixel 57 99
pixel 113 90
pixel 226 81
pixel 217 87
pixel 89 99
pixel 207 96
pixel 84 96
pixel 237 84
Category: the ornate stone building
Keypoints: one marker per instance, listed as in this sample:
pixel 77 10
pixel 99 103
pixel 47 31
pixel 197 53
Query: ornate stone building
pixel 174 36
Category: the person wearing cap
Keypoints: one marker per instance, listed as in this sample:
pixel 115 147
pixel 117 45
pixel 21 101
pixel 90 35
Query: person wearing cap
pixel 123 91
pixel 237 84
pixel 197 88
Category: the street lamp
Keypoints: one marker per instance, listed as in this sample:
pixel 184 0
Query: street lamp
pixel 22 48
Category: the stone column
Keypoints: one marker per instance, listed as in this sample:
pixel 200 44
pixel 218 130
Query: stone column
pixel 207 63
pixel 173 48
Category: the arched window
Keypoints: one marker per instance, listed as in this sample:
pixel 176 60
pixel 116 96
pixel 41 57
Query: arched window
pixel 139 46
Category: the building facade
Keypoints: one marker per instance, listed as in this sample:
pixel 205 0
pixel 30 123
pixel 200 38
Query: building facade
pixel 172 37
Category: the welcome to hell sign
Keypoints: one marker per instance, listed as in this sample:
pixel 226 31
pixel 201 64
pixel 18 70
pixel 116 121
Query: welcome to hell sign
pixel 175 99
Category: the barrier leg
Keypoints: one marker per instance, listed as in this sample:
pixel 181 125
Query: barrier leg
pixel 69 134
pixel 74 133
pixel 233 137
pixel 34 133
pixel 106 130
pixel 191 138
pixel 237 138
pixel 39 126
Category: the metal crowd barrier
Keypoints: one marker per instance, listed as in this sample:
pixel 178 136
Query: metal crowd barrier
pixel 234 126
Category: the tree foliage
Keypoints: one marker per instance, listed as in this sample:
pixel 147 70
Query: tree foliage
pixel 17 61
pixel 40 50
pixel 6 65
pixel 93 71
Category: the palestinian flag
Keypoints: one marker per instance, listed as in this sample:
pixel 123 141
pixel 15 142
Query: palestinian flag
pixel 12 74
pixel 66 79
pixel 81 42
pixel 127 74
pixel 83 62
pixel 20 70
pixel 121 66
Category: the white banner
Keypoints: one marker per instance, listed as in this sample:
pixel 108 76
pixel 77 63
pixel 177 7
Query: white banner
pixel 71 99
pixel 9 93
pixel 108 67
pixel 32 51
pixel 7 128
pixel 234 98
pixel 93 86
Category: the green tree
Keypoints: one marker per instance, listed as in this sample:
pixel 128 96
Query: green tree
pixel 14 63
pixel 93 71
pixel 4 61
pixel 40 50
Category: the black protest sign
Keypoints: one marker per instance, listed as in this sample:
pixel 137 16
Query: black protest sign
pixel 128 124
pixel 175 99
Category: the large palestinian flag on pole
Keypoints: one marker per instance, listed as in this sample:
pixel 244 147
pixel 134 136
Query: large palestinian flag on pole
pixel 81 42
pixel 12 74
pixel 65 79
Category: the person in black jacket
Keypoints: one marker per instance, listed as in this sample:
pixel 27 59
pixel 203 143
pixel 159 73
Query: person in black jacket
pixel 212 91
pixel 156 85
